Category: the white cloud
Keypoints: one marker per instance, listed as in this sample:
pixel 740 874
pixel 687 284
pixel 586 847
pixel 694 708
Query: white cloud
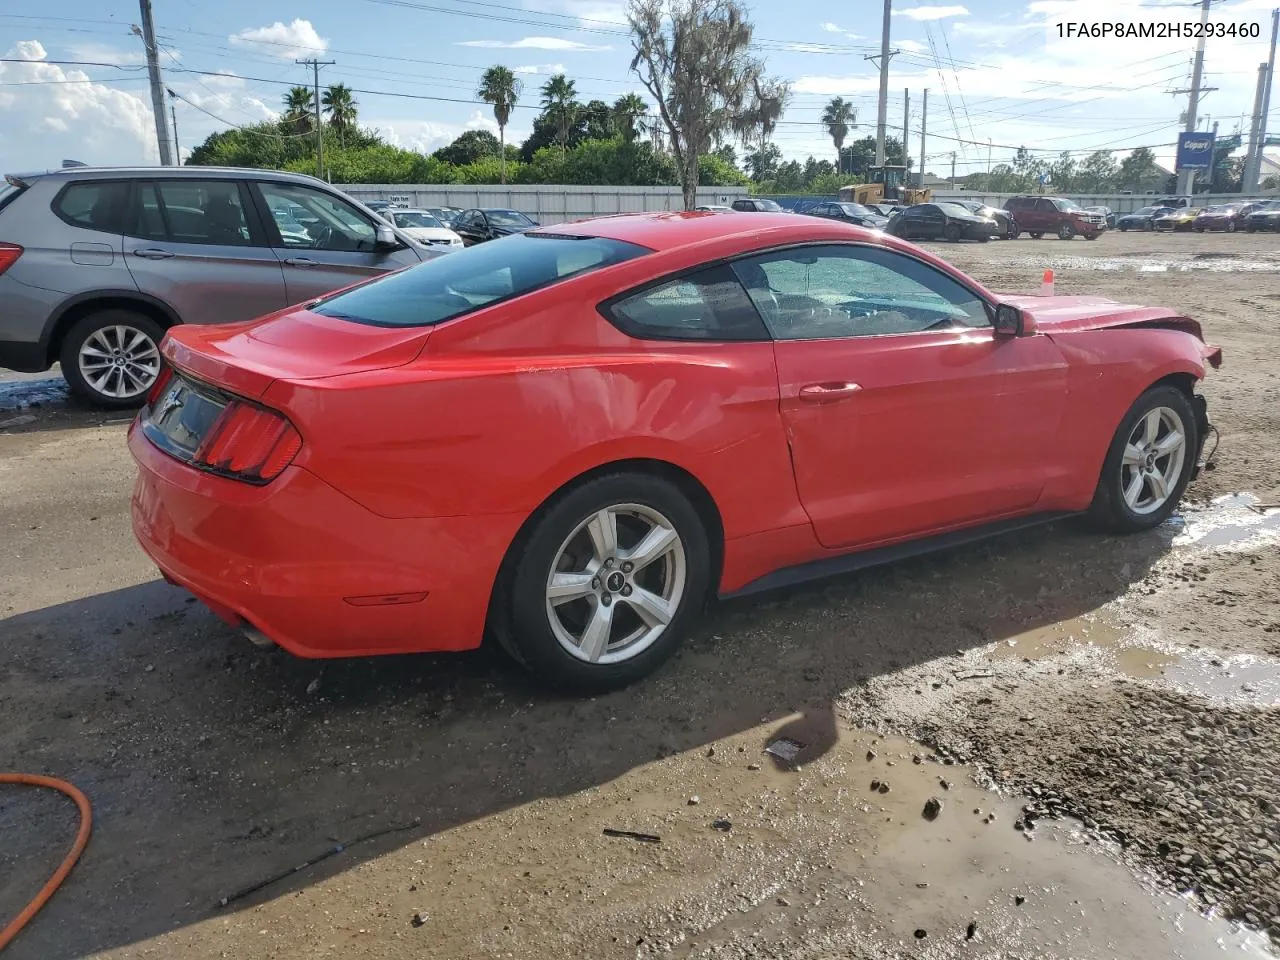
pixel 286 41
pixel 54 119
pixel 932 13
pixel 482 121
pixel 102 53
pixel 590 12
pixel 549 69
pixel 830 27
pixel 224 80
pixel 427 136
pixel 807 47
pixel 534 43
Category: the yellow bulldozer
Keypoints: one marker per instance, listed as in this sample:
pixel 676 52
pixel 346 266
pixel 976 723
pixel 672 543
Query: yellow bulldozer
pixel 886 184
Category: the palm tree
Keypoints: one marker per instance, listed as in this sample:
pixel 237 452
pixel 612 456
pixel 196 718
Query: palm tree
pixel 500 87
pixel 560 104
pixel 340 107
pixel 628 116
pixel 299 107
pixel 838 117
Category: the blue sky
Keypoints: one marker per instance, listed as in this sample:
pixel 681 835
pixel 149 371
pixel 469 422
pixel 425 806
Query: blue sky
pixel 996 70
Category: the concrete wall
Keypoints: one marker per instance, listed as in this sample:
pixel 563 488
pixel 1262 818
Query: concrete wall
pixel 545 203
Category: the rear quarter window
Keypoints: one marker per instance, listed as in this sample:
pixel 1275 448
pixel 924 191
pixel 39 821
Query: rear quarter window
pixel 710 304
pixel 93 205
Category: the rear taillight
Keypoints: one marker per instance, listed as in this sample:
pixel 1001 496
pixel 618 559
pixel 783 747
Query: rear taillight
pixel 249 442
pixel 162 381
pixel 9 254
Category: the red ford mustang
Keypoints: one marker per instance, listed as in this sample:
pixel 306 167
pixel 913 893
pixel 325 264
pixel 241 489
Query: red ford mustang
pixel 575 437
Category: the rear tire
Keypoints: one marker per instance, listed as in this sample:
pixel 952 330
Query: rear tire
pixel 111 358
pixel 649 609
pixel 1133 448
pixel 1231 226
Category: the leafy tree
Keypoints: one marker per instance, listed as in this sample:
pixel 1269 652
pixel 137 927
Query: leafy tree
pixel 470 147
pixel 597 117
pixel 560 106
pixel 762 164
pixel 501 88
pixel 340 107
pixel 299 109
pixel 715 171
pixel 1098 172
pixel 727 154
pixel 789 178
pixel 838 117
pixel 693 56
pixel 1003 179
pixel 1062 173
pixel 860 156
pixel 816 168
pixel 1139 172
pixel 1271 183
pixel 629 113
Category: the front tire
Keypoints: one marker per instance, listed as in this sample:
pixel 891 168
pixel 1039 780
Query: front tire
pixel 607 584
pixel 1124 228
pixel 952 233
pixel 1066 231
pixel 111 358
pixel 1149 462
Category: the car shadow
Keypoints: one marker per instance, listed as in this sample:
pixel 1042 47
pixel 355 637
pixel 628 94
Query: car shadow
pixel 213 765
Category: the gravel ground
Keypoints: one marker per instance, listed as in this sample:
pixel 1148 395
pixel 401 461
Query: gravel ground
pixel 1095 715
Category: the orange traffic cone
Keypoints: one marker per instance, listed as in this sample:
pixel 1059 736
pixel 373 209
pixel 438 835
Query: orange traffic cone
pixel 1046 284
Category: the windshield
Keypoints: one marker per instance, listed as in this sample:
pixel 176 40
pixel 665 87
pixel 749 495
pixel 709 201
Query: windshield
pixel 770 206
pixel 955 210
pixel 415 218
pixel 1068 205
pixel 857 210
pixel 476 277
pixel 1146 211
pixel 508 218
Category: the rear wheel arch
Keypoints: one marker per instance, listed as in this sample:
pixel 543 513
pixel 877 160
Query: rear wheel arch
pixel 699 496
pixel 79 308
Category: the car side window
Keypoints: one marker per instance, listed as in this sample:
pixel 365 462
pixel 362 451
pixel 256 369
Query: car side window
pixel 203 211
pixel 830 292
pixel 1046 206
pixel 707 305
pixel 310 219
pixel 93 205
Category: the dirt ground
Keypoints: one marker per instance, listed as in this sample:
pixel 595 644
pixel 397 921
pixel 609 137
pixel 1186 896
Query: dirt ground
pixel 1096 715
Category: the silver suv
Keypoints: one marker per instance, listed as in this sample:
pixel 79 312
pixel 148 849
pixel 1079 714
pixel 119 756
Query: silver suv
pixel 95 264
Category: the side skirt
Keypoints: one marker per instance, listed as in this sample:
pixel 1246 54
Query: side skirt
pixel 862 559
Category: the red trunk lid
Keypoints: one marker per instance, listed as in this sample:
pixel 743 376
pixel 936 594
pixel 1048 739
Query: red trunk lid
pixel 246 358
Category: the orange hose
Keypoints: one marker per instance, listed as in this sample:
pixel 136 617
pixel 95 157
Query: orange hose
pixel 82 838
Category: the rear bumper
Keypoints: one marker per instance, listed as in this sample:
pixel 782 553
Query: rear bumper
pixel 310 568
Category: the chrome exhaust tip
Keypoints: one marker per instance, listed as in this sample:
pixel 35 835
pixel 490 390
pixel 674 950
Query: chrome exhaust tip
pixel 256 636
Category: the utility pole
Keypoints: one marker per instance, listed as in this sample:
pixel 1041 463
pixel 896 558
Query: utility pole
pixel 1250 181
pixel 1187 177
pixel 1253 167
pixel 953 166
pixel 924 119
pixel 315 66
pixel 906 113
pixel 883 58
pixel 988 164
pixel 148 34
pixel 173 113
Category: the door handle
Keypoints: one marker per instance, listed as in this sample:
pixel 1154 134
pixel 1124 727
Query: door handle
pixel 152 253
pixel 828 392
pixel 300 262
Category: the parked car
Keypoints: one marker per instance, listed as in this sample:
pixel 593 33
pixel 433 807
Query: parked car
pixel 854 213
pixel 514 437
pixel 756 205
pixel 941 221
pixel 1176 203
pixel 97 264
pixel 1179 220
pixel 1227 217
pixel 713 208
pixel 1007 227
pixel 378 206
pixel 425 228
pixel 1143 219
pixel 446 215
pixel 1265 217
pixel 1058 216
pixel 489 223
pixel 884 209
pixel 1108 215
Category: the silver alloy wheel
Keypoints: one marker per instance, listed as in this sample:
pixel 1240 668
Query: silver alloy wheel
pixel 616 583
pixel 1153 459
pixel 120 362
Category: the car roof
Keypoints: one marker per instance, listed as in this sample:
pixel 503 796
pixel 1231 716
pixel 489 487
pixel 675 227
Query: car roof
pixel 186 173
pixel 670 230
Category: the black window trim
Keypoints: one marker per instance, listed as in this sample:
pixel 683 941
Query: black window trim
pixel 55 204
pixel 605 307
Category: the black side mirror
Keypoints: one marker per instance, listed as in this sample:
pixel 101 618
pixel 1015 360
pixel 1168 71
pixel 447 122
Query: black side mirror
pixel 1009 321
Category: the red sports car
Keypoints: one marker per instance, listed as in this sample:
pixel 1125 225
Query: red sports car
pixel 574 437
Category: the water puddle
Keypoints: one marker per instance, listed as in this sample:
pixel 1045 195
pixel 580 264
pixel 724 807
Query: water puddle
pixel 1228 521
pixel 18 392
